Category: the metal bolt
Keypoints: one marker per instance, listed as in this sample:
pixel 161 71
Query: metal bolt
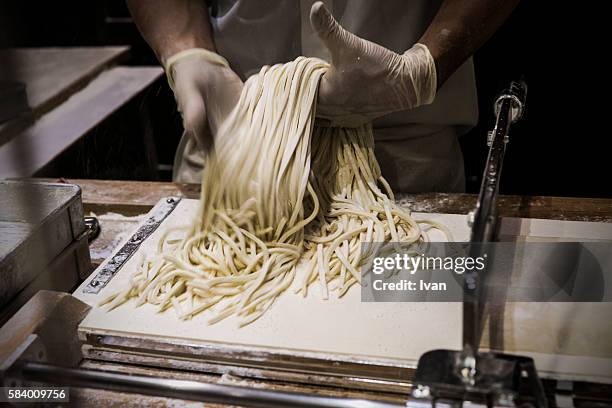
pixel 468 370
pixel 169 200
pixel 421 391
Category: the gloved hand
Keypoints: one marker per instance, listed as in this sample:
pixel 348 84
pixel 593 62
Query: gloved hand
pixel 366 80
pixel 206 90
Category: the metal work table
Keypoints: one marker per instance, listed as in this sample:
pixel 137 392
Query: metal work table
pixel 119 205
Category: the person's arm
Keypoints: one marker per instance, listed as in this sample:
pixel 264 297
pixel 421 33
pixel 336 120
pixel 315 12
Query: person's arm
pixel 206 89
pixel 366 80
pixel 171 26
pixel 460 28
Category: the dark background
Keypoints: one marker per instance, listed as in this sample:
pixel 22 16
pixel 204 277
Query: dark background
pixel 560 147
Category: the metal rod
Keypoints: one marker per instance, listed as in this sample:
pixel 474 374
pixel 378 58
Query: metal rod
pixel 508 109
pixel 186 389
pixel 483 229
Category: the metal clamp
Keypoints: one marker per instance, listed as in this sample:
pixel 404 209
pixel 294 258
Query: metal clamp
pixel 110 269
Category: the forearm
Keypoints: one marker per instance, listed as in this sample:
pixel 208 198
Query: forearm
pixel 460 28
pixel 171 26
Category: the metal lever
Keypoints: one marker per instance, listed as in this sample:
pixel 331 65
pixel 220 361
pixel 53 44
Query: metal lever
pixel 509 108
pixel 491 379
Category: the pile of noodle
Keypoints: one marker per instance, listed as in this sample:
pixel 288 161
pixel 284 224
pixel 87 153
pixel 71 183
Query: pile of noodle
pixel 277 192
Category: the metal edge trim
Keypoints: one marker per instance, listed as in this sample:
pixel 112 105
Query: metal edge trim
pixel 109 269
pixel 371 368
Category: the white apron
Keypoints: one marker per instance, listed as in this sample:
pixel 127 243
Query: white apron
pixel 418 149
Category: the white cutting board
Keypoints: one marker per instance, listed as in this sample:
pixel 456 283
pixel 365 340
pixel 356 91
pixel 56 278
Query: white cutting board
pixel 387 331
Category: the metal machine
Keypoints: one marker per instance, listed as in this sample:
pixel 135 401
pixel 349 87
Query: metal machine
pixel 44 241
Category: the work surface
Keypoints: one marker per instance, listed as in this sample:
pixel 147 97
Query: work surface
pixel 121 204
pixel 560 336
pixel 342 329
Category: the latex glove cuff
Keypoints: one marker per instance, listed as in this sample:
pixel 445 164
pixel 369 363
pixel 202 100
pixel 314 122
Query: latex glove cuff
pixel 421 68
pixel 206 55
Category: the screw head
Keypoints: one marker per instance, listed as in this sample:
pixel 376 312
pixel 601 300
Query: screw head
pixel 421 391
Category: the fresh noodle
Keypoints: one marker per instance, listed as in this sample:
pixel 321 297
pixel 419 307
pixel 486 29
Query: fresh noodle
pixel 277 191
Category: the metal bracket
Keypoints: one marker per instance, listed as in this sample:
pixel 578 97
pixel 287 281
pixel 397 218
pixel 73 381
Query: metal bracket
pixel 496 379
pixel 110 269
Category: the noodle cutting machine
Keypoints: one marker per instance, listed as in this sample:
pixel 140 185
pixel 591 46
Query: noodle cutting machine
pixel 297 354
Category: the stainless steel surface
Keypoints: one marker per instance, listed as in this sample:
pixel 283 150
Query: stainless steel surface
pixel 65 271
pixel 51 316
pixel 106 273
pixel 38 222
pixel 31 349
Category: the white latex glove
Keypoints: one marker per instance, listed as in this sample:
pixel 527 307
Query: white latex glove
pixel 366 80
pixel 206 90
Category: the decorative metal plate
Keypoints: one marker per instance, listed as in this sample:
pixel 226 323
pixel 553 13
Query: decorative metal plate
pixel 106 273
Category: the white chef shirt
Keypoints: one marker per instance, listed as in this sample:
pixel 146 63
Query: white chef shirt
pixel 417 149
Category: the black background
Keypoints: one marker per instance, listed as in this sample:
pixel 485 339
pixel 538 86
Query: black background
pixel 561 147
